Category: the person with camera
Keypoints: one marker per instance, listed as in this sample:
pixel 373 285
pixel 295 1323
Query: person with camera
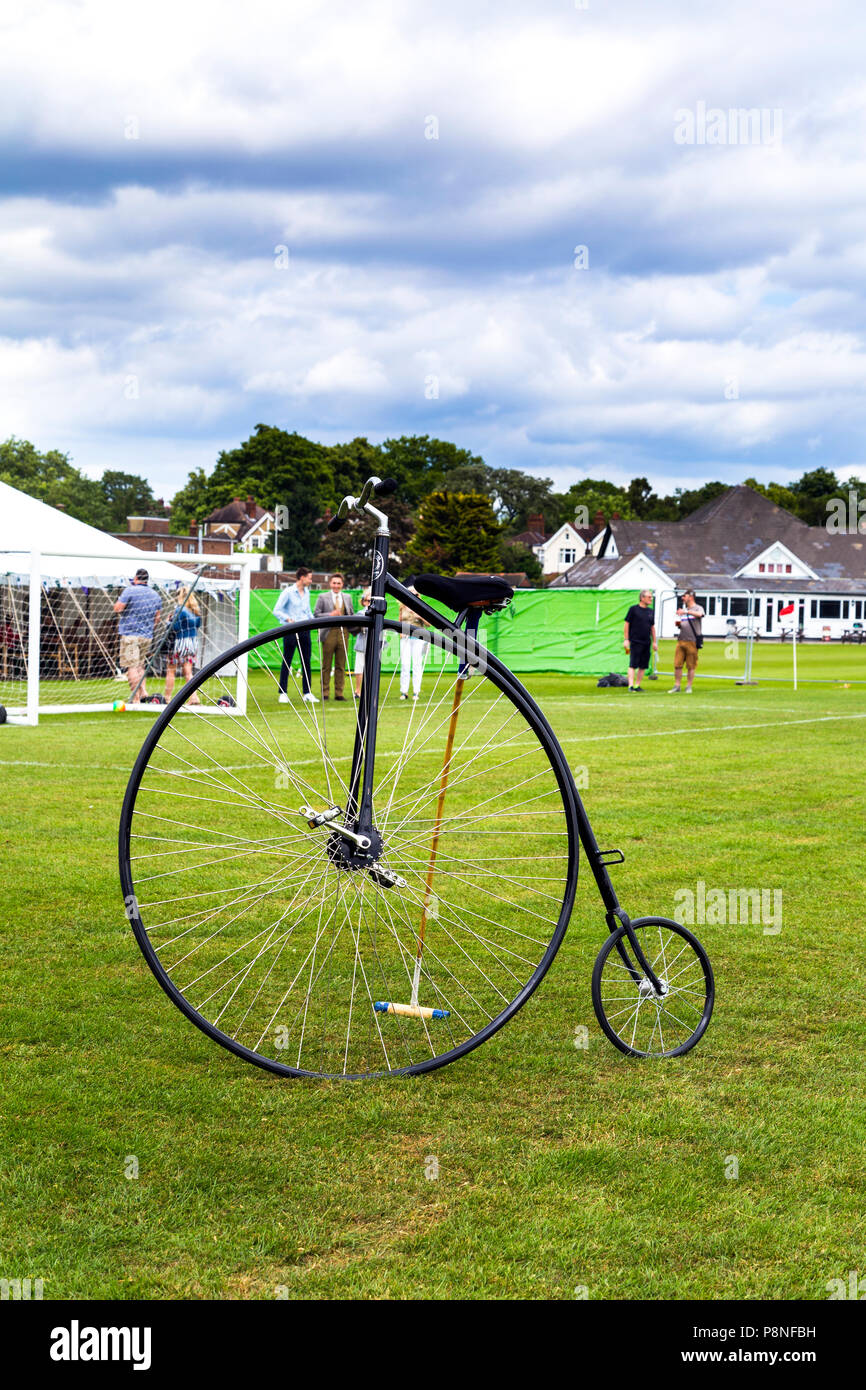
pixel 689 642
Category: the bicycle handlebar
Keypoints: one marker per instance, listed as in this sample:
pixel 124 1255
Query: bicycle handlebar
pixel 382 487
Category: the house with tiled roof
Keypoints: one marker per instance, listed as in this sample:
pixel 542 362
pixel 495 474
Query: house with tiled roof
pixel 557 550
pixel 745 557
pixel 249 526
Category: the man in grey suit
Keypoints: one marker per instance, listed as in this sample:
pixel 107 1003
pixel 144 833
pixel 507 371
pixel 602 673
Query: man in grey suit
pixel 335 640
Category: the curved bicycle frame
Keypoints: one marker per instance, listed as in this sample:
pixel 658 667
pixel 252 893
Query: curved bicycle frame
pixel 615 916
pixel 461 630
pixel 382 583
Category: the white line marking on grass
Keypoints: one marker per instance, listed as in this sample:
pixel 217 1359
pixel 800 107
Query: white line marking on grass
pixel 705 729
pixel 572 738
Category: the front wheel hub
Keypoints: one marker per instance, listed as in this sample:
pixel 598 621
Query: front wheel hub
pixel 345 854
pixel 646 990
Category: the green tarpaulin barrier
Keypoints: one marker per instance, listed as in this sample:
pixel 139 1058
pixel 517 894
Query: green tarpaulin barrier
pixel 575 631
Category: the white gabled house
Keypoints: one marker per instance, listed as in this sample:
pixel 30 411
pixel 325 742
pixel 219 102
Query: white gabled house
pixel 557 552
pixel 746 559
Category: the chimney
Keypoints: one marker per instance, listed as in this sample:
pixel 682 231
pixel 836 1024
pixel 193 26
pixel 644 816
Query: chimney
pixel 615 516
pixel 193 528
pixel 251 508
pixel 535 523
pixel 598 520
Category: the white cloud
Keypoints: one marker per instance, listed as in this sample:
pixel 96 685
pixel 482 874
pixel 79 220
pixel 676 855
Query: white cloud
pixel 410 259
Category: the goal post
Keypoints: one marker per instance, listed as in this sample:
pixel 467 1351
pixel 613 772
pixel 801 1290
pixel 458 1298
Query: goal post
pixel 60 639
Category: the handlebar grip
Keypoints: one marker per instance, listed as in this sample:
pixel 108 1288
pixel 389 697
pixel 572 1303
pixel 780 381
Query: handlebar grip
pixel 337 522
pixel 386 487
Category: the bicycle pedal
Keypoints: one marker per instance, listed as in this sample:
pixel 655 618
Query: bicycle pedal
pixel 386 878
pixel 316 818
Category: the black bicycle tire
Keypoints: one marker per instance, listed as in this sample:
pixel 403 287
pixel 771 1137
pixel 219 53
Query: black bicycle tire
pixel 612 943
pixel 513 689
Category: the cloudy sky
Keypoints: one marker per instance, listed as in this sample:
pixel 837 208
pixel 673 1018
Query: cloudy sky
pixel 521 226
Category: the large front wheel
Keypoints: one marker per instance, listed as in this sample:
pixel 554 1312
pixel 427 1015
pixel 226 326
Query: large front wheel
pixel 296 947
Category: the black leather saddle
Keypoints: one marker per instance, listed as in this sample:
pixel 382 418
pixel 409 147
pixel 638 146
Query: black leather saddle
pixel 487 591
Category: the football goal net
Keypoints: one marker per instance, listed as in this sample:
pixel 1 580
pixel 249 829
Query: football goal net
pixel 64 648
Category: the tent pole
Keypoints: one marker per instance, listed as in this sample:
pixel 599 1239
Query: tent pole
pixel 34 616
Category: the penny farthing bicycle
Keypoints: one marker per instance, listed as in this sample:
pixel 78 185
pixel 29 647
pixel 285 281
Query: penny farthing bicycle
pixel 375 886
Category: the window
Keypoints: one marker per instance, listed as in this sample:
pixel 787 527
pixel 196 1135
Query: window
pixel 771 569
pixel 723 607
pixel 159 545
pixel 813 608
pixel 829 608
pixel 845 609
pixel 566 555
pixel 178 547
pixel 739 607
pixel 711 606
pixel 761 569
pixel 858 608
pixel 787 569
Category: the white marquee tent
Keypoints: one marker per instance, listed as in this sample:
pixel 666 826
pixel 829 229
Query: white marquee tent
pixel 67 548
pixel 59 579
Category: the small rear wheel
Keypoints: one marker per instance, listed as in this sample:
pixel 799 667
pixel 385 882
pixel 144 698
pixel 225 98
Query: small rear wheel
pixel 638 1020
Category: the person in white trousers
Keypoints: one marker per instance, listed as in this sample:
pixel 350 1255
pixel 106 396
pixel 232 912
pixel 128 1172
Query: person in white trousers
pixel 413 654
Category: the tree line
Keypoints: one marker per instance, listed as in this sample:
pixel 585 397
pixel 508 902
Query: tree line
pixel 452 510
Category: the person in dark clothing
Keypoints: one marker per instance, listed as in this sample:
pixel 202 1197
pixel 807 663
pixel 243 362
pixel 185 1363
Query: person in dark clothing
pixel 293 606
pixel 639 634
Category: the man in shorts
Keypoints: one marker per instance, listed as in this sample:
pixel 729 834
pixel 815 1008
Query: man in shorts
pixel 638 634
pixel 139 607
pixel 689 616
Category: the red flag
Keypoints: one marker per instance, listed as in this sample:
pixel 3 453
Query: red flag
pixel 787 610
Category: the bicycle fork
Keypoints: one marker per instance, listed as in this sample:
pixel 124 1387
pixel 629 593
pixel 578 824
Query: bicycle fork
pixel 615 916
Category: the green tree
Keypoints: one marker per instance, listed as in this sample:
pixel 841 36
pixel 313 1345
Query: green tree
pixel 813 490
pixel 594 495
pixel 421 464
pixel 52 478
pixel 352 464
pixel 817 482
pixel 350 550
pixel 191 502
pixel 689 499
pixel 516 559
pixel 640 497
pixel 277 468
pixel 127 494
pixel 520 495
pixel 472 477
pixel 456 531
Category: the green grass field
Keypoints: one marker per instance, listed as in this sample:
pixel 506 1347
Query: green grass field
pixel 533 1168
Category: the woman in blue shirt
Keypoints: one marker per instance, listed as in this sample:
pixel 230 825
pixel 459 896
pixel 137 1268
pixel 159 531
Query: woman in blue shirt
pixel 183 641
pixel 293 606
